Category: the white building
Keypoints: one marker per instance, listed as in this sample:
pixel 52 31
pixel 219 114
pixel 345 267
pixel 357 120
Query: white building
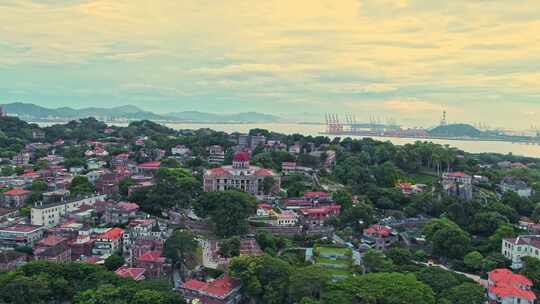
pixel 285 218
pixel 181 150
pixel 216 155
pixel 522 246
pixel 518 186
pixel 50 214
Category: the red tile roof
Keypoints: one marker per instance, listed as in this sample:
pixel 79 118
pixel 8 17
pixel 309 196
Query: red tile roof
pixel 113 234
pixel 16 192
pixel 128 206
pixel 150 165
pixel 136 274
pixel 458 174
pixel 316 194
pixel 21 228
pixel 52 240
pixel 241 156
pixel 220 171
pixel 151 256
pixel 504 283
pixel 379 230
pixel 264 172
pixel 218 288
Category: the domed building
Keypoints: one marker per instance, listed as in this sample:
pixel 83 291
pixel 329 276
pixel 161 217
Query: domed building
pixel 241 176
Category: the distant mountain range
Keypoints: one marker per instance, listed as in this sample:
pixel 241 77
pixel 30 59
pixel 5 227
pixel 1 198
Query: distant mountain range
pixel 32 112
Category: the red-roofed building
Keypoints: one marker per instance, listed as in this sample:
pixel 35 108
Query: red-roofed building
pixel 108 183
pixel 52 240
pixel 121 213
pixel 11 260
pixel 137 274
pixel 240 176
pixel 15 198
pixel 60 253
pixel 506 287
pixel 148 168
pixel 317 216
pixel 20 235
pixel 120 160
pixel 264 209
pixel 458 184
pixel 155 264
pixel 316 195
pixel 381 237
pixel 224 290
pixel 109 242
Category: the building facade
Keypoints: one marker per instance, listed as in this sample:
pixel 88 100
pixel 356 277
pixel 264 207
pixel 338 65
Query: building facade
pixel 50 214
pixel 522 246
pixel 240 176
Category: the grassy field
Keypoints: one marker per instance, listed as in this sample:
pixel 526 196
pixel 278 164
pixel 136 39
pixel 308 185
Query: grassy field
pixel 334 250
pixel 428 178
pixel 320 260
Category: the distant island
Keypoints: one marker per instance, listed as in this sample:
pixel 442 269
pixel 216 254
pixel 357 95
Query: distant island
pixel 32 112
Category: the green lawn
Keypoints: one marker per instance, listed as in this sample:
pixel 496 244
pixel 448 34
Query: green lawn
pixel 320 260
pixel 424 178
pixel 334 250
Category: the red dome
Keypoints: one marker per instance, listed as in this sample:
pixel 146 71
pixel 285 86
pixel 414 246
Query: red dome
pixel 241 156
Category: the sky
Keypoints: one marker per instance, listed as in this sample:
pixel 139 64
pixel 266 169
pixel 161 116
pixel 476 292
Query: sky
pixel 406 60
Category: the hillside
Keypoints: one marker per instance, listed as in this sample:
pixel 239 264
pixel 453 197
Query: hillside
pixel 28 111
pixel 456 130
pixel 197 116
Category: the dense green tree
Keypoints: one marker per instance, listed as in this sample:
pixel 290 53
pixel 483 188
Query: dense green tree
pixel 388 288
pixel 466 293
pixel 264 279
pixel 473 261
pixel 181 248
pixel 531 269
pixel 268 184
pixel 81 186
pixel 308 282
pixel 344 198
pixel 400 256
pixel 376 261
pixel 447 239
pixel 230 248
pixel 486 223
pixel 114 262
pixel 228 210
pixel 437 278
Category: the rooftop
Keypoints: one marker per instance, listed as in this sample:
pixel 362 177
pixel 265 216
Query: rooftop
pixel 152 256
pixel 112 234
pixel 150 165
pixel 52 240
pixel 136 274
pixel 504 283
pixel 16 192
pixel 22 228
pixel 218 288
pixel 127 206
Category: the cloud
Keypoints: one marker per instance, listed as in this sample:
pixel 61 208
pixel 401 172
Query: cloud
pixel 408 57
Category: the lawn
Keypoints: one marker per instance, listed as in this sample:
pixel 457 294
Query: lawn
pixel 320 260
pixel 424 178
pixel 333 250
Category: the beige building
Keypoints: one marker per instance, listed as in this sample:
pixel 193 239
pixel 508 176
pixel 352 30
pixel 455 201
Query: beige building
pixel 241 176
pixel 50 214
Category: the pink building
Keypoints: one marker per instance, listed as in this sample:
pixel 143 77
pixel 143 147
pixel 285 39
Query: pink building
pixel 154 263
pixel 15 198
